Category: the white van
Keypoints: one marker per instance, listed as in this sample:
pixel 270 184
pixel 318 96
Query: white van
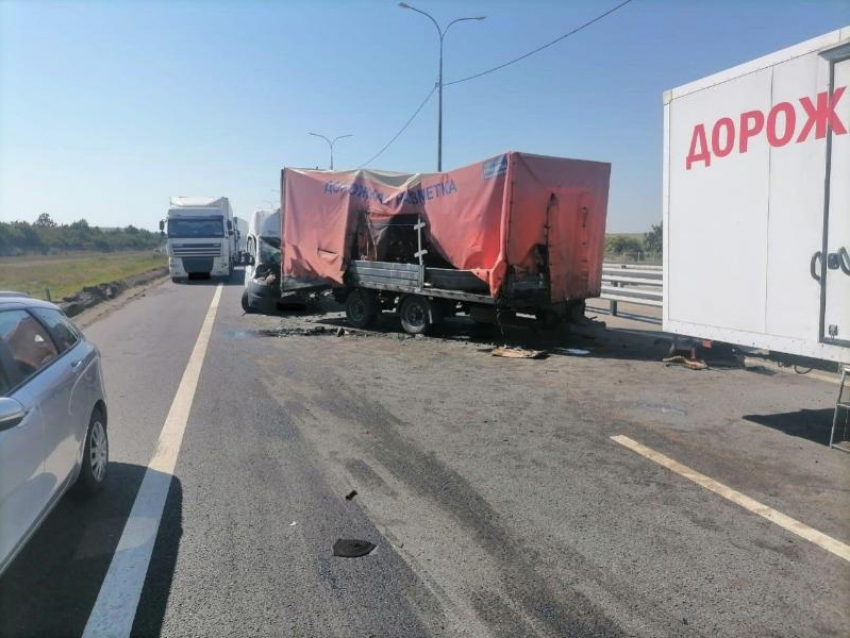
pixel 262 268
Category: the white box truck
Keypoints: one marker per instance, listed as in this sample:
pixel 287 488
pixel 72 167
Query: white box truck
pixel 240 238
pixel 757 203
pixel 200 237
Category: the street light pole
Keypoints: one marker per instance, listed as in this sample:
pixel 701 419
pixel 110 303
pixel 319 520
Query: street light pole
pixel 331 143
pixel 442 34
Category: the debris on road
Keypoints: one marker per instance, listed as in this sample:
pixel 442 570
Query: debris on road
pixel 518 353
pixel 293 523
pixel 352 548
pixel 575 352
pixel 294 332
pixel 340 332
pixel 691 364
pixel 351 495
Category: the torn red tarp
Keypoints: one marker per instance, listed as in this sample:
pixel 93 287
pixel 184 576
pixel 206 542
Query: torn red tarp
pixel 487 218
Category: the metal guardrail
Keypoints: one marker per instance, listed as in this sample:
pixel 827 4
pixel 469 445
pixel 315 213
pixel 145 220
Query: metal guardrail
pixel 632 283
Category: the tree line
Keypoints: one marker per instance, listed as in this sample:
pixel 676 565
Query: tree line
pixel 46 236
pixel 647 245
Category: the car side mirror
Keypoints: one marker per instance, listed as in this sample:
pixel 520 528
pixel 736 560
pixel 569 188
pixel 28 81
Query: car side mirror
pixel 11 413
pixel 162 227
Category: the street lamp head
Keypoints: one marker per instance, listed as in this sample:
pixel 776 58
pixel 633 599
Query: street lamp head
pixel 404 5
pixel 480 18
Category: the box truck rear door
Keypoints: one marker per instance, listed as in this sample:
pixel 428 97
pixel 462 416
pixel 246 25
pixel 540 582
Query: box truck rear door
pixel 835 318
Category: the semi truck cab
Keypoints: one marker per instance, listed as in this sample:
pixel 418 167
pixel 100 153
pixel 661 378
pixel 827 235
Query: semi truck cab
pixel 200 237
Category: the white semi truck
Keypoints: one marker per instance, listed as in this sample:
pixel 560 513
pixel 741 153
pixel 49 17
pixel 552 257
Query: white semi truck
pixel 240 238
pixel 757 203
pixel 200 237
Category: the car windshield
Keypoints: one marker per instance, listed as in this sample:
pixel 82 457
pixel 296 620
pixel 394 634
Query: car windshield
pixel 206 227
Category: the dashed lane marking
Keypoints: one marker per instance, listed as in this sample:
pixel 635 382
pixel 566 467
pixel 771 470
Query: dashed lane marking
pixel 792 525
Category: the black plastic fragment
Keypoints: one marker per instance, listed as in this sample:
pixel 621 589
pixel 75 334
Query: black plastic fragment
pixel 351 495
pixel 352 548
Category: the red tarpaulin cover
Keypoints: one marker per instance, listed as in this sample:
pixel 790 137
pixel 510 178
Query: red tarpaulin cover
pixel 486 218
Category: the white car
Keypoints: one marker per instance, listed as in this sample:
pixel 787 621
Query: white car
pixel 52 417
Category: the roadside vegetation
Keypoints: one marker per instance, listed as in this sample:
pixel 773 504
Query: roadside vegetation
pixel 44 236
pixel 635 247
pixel 67 274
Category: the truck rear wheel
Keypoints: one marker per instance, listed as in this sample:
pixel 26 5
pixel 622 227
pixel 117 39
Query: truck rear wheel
pixel 418 314
pixel 361 308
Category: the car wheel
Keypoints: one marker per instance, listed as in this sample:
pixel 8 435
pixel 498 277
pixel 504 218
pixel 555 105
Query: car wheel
pixel 95 457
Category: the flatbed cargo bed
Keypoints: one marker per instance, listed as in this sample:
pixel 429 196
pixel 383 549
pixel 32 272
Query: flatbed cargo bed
pixel 407 279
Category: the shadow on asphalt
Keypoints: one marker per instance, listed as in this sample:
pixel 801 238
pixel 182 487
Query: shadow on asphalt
pixel 812 425
pixel 51 587
pixel 237 278
pixel 593 337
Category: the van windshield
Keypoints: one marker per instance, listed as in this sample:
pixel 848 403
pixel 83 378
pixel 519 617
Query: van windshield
pixel 199 227
pixel 269 250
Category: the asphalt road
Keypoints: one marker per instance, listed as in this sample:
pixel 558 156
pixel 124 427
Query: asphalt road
pixel 497 500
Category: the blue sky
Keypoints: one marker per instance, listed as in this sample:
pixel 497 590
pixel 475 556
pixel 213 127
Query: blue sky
pixel 108 108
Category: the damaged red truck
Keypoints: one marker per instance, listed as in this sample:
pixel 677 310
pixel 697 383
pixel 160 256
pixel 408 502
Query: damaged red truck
pixel 517 233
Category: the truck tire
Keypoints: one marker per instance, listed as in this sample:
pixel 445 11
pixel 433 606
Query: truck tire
pixel 548 319
pixel 418 314
pixel 246 306
pixel 361 308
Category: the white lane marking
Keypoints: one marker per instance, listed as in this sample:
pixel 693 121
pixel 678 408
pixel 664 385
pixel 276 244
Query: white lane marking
pixel 115 608
pixel 786 522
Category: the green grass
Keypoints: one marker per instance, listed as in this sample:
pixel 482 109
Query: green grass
pixel 67 274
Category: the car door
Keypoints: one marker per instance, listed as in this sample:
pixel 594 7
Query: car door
pixel 25 488
pixel 62 395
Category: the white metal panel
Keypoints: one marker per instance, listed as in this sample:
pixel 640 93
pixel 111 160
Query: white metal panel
pixel 801 347
pixel 820 43
pixel 665 208
pixel 837 289
pixel 795 191
pixel 719 210
pixel 795 233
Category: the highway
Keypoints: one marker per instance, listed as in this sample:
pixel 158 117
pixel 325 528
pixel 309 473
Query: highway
pixel 496 497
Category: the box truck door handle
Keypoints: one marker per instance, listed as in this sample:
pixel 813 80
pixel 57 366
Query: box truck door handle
pixel 843 260
pixel 813 266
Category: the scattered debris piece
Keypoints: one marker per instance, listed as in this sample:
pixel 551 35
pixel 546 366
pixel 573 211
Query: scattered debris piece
pixel 518 353
pixel 293 523
pixel 352 548
pixel 691 364
pixel 340 332
pixel 351 495
pixel 293 332
pixel 577 352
